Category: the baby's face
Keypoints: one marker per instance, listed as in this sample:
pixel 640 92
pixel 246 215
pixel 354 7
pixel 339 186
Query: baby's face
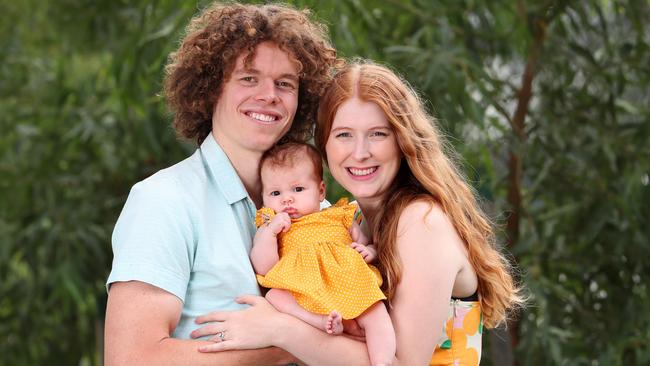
pixel 294 190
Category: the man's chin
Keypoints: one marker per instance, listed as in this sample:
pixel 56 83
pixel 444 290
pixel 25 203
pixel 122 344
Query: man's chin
pixel 264 143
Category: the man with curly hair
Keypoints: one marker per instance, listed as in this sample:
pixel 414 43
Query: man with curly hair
pixel 244 77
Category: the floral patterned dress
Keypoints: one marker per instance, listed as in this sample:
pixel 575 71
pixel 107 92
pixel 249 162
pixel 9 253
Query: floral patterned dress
pixel 461 341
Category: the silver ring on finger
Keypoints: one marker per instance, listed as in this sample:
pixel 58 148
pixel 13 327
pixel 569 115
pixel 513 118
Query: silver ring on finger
pixel 222 335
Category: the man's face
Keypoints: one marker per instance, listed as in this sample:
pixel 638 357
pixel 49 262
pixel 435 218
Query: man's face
pixel 257 104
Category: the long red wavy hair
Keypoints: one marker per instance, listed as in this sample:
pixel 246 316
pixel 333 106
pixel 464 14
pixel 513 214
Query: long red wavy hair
pixel 426 173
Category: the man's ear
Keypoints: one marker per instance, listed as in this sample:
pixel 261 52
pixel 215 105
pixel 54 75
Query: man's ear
pixel 321 189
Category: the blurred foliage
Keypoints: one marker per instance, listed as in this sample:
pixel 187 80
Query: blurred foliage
pixel 82 121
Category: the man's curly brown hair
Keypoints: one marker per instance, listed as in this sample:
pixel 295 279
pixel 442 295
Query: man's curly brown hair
pixel 215 38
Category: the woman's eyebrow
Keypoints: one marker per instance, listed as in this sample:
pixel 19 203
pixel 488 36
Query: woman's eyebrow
pixel 339 128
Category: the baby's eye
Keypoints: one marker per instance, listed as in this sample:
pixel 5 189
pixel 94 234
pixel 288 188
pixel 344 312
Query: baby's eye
pixel 299 189
pixel 275 193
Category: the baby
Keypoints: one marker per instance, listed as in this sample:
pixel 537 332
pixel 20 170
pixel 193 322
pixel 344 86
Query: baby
pixel 313 261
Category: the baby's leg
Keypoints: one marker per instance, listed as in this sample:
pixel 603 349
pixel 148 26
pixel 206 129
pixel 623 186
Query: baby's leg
pixel 380 335
pixel 284 302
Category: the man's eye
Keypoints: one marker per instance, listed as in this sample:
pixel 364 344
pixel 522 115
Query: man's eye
pixel 286 85
pixel 299 189
pixel 275 193
pixel 248 79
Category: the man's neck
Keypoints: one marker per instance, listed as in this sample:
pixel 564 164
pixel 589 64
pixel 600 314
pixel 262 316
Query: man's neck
pixel 246 164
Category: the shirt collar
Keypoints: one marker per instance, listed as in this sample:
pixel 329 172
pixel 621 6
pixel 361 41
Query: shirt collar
pixel 222 171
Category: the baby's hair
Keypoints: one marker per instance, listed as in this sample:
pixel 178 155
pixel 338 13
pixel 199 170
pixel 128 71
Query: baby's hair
pixel 287 155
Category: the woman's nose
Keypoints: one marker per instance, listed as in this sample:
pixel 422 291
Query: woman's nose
pixel 361 149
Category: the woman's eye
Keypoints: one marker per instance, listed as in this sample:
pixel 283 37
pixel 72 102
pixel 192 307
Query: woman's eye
pixel 343 134
pixel 275 193
pixel 299 189
pixel 379 134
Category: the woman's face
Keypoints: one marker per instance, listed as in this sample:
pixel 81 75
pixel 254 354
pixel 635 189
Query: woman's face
pixel 362 151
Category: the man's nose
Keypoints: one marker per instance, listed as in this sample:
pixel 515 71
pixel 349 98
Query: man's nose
pixel 267 92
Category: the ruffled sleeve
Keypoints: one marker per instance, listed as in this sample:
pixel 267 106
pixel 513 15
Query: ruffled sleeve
pixel 263 215
pixel 348 211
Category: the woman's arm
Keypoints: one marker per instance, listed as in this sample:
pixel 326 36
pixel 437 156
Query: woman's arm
pixel 431 254
pixel 261 325
pixel 139 321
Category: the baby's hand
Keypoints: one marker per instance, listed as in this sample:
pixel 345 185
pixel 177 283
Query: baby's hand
pixel 280 223
pixel 368 252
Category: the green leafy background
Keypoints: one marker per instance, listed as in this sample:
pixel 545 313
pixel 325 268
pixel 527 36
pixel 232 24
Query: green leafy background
pixel 547 103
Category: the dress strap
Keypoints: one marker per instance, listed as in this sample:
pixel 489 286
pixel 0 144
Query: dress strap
pixel 472 297
pixel 358 217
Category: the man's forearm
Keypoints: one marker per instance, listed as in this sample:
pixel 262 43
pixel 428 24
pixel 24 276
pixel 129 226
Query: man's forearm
pixel 185 352
pixel 139 320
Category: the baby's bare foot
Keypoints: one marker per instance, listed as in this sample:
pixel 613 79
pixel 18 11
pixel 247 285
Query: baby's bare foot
pixel 334 323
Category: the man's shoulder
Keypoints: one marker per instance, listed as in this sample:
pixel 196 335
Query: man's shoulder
pixel 186 173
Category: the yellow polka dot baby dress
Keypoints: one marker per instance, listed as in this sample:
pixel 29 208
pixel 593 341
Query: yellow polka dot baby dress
pixel 318 266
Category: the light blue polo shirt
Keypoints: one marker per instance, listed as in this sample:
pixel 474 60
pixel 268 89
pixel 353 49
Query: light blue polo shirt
pixel 188 230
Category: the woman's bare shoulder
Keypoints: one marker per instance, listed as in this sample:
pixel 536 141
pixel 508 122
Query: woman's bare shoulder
pixel 424 222
pixel 423 212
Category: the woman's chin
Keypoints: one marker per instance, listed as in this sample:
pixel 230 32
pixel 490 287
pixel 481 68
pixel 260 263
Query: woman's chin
pixel 365 194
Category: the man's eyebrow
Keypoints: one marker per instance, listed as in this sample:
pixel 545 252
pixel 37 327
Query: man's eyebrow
pixel 245 70
pixel 293 77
